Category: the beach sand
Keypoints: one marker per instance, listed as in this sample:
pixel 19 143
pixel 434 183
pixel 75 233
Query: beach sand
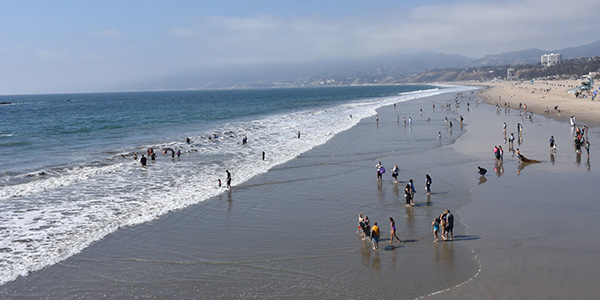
pixel 291 233
pixel 541 95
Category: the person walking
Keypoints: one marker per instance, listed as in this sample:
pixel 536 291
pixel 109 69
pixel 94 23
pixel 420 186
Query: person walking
pixel 393 231
pixel 228 179
pixel 375 235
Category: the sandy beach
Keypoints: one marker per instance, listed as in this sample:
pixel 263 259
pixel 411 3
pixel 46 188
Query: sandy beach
pixel 522 231
pixel 542 95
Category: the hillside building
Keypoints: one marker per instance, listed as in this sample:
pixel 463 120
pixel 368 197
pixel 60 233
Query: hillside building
pixel 551 59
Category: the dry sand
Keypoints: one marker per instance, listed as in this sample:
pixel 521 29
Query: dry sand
pixel 543 94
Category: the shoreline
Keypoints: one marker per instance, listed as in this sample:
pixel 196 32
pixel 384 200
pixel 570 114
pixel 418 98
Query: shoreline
pixel 294 226
pixel 291 232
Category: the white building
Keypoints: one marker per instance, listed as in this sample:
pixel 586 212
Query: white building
pixel 551 59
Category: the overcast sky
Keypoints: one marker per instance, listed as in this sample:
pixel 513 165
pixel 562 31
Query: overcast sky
pixel 70 46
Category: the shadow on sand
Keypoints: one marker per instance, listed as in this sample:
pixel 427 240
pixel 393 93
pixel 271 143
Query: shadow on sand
pixel 466 237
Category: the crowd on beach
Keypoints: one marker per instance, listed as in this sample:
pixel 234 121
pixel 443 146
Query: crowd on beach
pixel 580 136
pixel 442 225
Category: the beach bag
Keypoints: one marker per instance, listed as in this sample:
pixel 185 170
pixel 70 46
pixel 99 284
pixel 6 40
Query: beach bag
pixel 382 170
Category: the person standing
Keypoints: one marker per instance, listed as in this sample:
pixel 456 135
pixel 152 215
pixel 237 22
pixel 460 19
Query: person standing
pixel 395 172
pixel 380 171
pixel 435 227
pixel 143 160
pixel 449 225
pixel 408 196
pixel 360 225
pixel 375 235
pixel 428 184
pixel 393 231
pixel 412 188
pixel 228 179
pixel 587 148
pixel 551 143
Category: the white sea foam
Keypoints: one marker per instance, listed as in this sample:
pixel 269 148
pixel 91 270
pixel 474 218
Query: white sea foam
pixel 47 220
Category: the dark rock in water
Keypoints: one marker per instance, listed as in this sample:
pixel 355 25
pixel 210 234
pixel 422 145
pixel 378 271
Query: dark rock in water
pixel 5 103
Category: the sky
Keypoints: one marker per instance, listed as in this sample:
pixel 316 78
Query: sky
pixel 85 46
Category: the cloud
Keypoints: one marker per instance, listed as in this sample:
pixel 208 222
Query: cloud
pixel 469 28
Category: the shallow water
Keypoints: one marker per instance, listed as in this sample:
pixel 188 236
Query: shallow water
pixel 290 232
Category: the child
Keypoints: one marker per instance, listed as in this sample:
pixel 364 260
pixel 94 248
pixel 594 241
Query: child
pixel 435 227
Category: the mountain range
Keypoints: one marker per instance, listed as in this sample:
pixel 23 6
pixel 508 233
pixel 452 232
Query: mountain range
pixel 339 72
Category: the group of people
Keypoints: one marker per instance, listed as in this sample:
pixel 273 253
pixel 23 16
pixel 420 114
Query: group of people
pixel 152 155
pixel 580 139
pixel 409 190
pixel 373 233
pixel 445 223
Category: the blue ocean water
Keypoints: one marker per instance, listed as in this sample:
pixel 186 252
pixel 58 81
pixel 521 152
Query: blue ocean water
pixel 68 176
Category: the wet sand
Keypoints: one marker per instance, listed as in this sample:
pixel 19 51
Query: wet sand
pixel 291 233
pixel 536 220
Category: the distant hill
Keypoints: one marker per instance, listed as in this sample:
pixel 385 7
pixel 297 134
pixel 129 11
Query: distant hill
pixel 380 70
pixel 590 50
pixel 532 56
pixel 521 57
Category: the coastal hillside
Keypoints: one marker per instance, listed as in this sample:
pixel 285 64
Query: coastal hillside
pixel 422 67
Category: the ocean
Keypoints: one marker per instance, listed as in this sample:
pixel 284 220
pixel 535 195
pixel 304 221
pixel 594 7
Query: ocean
pixel 68 177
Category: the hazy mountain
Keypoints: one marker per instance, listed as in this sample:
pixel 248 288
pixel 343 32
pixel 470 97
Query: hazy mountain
pixel 289 74
pixel 532 56
pixel 590 50
pixel 344 71
pixel 521 57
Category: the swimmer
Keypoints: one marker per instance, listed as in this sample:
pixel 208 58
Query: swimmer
pixel 143 160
